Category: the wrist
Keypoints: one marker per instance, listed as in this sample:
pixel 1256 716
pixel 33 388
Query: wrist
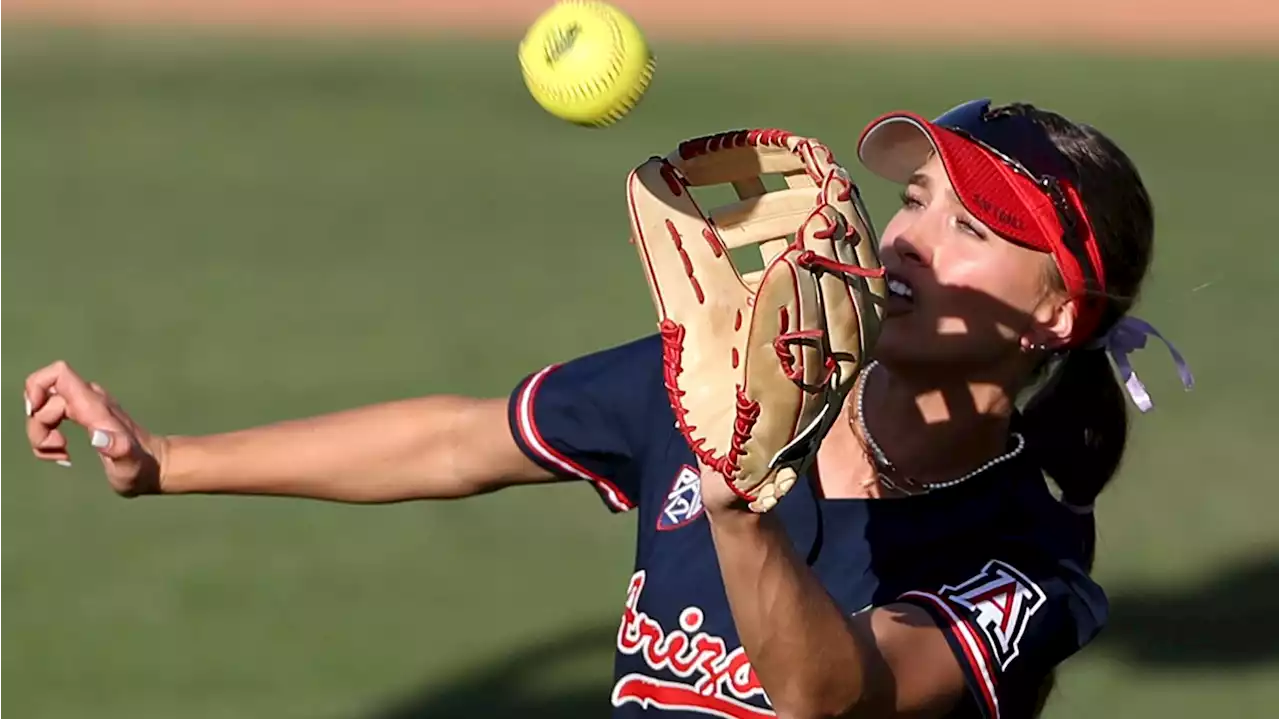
pixel 734 518
pixel 168 479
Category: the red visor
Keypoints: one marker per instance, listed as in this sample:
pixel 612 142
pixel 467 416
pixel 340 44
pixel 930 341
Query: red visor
pixel 1008 174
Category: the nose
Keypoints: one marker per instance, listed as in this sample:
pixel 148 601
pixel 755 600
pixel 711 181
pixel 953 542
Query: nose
pixel 909 252
pixel 910 245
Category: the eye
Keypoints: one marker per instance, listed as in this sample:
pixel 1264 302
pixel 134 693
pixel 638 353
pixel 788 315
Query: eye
pixel 969 228
pixel 908 201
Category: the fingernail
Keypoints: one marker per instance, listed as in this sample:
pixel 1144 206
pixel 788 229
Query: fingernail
pixel 63 463
pixel 100 439
pixel 28 401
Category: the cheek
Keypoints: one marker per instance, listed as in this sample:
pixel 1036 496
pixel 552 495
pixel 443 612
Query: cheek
pixel 1005 276
pixel 991 291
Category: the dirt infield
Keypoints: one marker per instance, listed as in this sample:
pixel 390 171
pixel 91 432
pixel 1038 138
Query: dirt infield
pixel 1180 25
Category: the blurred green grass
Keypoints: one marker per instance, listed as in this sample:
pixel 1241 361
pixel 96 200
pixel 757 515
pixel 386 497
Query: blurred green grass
pixel 228 232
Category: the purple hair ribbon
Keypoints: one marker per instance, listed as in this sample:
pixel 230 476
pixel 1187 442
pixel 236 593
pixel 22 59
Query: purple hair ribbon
pixel 1128 335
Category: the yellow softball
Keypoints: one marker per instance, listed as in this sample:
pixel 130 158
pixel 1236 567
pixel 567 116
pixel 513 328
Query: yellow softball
pixel 586 62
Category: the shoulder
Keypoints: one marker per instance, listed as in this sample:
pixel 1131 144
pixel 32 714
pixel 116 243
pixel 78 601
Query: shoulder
pixel 1011 615
pixel 635 364
pixel 1007 600
pixel 1002 570
pixel 595 417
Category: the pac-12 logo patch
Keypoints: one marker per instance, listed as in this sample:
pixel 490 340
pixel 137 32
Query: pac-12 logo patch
pixel 1002 601
pixel 683 503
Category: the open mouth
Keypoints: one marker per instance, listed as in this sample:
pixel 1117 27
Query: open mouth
pixel 901 294
pixel 898 288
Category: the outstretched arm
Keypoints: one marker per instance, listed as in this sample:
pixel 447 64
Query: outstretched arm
pixel 438 447
pixel 429 447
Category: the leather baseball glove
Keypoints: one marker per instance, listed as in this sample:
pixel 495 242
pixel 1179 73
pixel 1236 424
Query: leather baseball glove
pixel 757 365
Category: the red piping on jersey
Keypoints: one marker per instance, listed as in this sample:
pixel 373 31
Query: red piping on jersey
pixel 971 644
pixel 528 429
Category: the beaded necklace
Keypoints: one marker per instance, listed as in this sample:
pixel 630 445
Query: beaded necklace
pixel 883 461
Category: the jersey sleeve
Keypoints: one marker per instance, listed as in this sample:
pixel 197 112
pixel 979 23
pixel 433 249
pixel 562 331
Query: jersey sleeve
pixel 589 418
pixel 1009 624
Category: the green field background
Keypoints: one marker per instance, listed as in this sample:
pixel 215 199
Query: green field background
pixel 230 232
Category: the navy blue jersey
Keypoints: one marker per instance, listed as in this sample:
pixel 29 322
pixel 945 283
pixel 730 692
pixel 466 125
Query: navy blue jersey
pixel 997 561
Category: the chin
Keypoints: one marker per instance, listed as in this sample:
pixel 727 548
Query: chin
pixel 899 347
pixel 905 346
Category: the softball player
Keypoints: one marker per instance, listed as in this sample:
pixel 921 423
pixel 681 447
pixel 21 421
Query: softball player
pixel 925 569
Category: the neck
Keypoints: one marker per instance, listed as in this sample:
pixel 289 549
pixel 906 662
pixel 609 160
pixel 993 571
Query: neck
pixel 935 431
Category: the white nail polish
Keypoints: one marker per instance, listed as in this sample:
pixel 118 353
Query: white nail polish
pixel 28 401
pixel 63 463
pixel 100 439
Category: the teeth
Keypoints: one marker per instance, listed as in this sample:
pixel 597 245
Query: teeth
pixel 898 287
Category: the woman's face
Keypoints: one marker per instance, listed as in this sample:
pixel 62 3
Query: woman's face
pixel 961 296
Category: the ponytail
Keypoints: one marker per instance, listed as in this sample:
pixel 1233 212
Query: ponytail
pixel 1077 426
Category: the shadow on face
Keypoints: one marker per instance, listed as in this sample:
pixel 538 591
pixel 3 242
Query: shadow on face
pixel 964 301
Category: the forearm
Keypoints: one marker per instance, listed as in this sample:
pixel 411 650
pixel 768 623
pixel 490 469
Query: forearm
pixel 802 646
pixel 396 451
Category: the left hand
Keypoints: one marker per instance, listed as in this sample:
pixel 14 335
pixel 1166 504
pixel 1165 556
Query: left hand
pixel 738 401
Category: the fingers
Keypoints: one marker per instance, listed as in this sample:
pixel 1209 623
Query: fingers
pixel 57 378
pixel 110 444
pixel 54 394
pixel 83 405
pixel 42 431
pixel 53 448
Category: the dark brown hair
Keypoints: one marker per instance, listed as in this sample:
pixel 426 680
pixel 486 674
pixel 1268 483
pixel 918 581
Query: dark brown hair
pixel 1078 424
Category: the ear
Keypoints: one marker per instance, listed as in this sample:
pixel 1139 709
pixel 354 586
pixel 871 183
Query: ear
pixel 1055 318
